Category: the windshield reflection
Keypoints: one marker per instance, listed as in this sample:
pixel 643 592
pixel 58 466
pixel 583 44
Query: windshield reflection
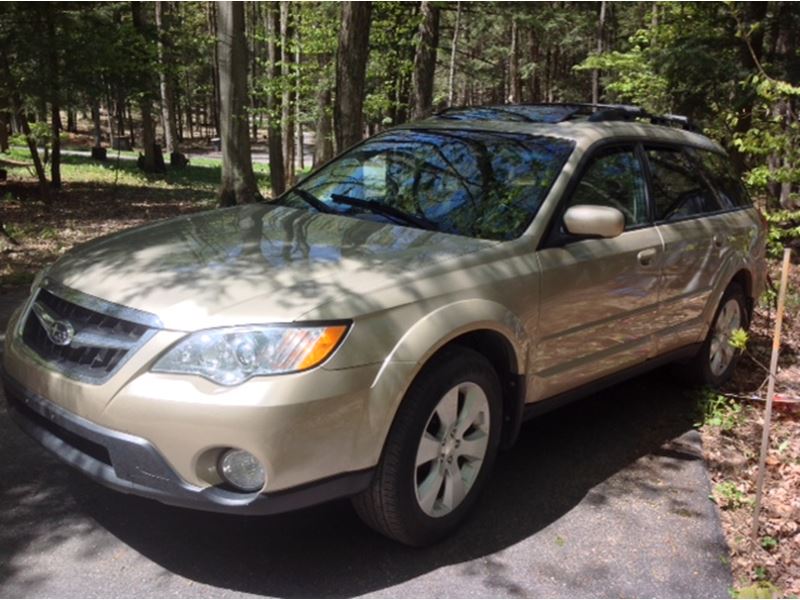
pixel 481 184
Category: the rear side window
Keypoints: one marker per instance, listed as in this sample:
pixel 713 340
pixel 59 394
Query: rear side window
pixel 731 190
pixel 678 189
pixel 614 178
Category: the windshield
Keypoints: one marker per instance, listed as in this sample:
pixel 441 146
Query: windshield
pixel 475 183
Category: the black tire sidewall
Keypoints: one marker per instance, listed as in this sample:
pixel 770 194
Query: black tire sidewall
pixel 464 365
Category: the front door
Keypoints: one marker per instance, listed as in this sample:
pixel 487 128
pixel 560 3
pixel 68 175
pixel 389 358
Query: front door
pixel 599 297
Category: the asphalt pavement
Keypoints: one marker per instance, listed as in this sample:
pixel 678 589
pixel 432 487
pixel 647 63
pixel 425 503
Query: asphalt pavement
pixel 605 498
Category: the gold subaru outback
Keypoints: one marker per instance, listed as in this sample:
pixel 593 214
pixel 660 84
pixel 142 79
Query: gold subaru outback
pixel 381 329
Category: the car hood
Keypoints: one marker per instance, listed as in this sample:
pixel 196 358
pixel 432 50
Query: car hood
pixel 256 263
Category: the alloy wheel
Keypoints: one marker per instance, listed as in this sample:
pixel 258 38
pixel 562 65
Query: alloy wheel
pixel 452 449
pixel 721 352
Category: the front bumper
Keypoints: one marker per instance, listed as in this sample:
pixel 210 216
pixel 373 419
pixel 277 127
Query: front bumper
pixel 131 464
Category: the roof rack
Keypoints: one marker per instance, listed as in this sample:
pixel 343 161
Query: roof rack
pixel 560 112
pixel 633 113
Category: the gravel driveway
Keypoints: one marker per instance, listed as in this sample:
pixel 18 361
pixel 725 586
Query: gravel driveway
pixel 607 497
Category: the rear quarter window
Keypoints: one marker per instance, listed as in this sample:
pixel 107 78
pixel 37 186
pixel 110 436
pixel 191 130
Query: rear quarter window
pixel 678 188
pixel 730 189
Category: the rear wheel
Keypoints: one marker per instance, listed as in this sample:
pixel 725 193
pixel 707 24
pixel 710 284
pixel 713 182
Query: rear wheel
pixel 717 358
pixel 439 451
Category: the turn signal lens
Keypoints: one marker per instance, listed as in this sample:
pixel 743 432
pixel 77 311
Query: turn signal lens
pixel 323 346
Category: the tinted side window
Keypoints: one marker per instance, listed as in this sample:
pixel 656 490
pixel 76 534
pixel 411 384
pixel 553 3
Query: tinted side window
pixel 614 178
pixel 732 193
pixel 678 189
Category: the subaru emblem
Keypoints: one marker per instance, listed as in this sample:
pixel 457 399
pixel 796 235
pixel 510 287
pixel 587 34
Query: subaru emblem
pixel 61 333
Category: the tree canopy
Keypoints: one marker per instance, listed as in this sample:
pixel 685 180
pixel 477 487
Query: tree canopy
pixel 733 67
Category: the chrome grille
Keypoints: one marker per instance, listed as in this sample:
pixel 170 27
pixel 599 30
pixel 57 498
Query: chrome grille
pixel 89 344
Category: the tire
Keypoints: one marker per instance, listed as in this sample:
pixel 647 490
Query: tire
pixel 403 501
pixel 716 360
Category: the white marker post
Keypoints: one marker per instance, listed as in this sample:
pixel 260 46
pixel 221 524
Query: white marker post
pixel 773 371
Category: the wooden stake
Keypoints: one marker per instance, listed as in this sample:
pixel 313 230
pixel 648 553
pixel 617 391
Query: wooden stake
pixel 773 370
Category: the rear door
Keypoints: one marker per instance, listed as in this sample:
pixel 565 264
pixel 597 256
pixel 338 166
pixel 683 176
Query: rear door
pixel 599 297
pixel 684 211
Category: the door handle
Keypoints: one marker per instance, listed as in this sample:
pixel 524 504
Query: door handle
pixel 718 241
pixel 645 257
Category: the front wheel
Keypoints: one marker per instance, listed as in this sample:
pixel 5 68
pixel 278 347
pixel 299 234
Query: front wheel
pixel 439 451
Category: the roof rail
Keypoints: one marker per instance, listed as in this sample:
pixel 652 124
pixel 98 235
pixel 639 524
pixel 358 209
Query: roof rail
pixel 557 112
pixel 679 120
pixel 632 113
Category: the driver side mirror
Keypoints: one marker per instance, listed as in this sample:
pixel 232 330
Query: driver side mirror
pixel 594 221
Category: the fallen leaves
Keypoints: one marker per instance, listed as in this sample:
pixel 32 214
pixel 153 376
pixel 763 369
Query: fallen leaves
pixel 79 213
pixel 770 567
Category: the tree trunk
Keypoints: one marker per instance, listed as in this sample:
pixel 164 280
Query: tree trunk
pixel 97 130
pixel 110 114
pixel 119 104
pixel 131 124
pixel 468 85
pixel 514 79
pixel 166 82
pixel 188 108
pixel 55 97
pixel 15 127
pixel 37 161
pixel 215 98
pixel 452 76
pixel 534 81
pixel 323 148
pixel 425 61
pixel 601 23
pixel 72 120
pixel 351 66
pixel 3 131
pixel 148 162
pixel 22 124
pixel 298 58
pixel 238 181
pixel 276 172
pixel 55 159
pixel 252 24
pixel 288 96
pixel 178 99
pixel 148 159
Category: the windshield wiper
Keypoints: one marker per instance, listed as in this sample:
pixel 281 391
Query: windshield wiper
pixel 313 201
pixel 386 211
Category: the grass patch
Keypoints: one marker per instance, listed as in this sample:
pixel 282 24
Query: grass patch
pixel 729 497
pixel 200 179
pixel 716 410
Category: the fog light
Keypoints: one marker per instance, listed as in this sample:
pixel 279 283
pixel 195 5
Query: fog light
pixel 242 470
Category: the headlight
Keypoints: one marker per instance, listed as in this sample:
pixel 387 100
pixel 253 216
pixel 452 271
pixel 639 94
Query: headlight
pixel 233 355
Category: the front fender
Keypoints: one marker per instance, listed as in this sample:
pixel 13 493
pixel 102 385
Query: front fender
pixel 422 340
pixel 448 322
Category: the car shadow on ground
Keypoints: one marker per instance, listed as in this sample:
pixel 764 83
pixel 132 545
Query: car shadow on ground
pixel 326 551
